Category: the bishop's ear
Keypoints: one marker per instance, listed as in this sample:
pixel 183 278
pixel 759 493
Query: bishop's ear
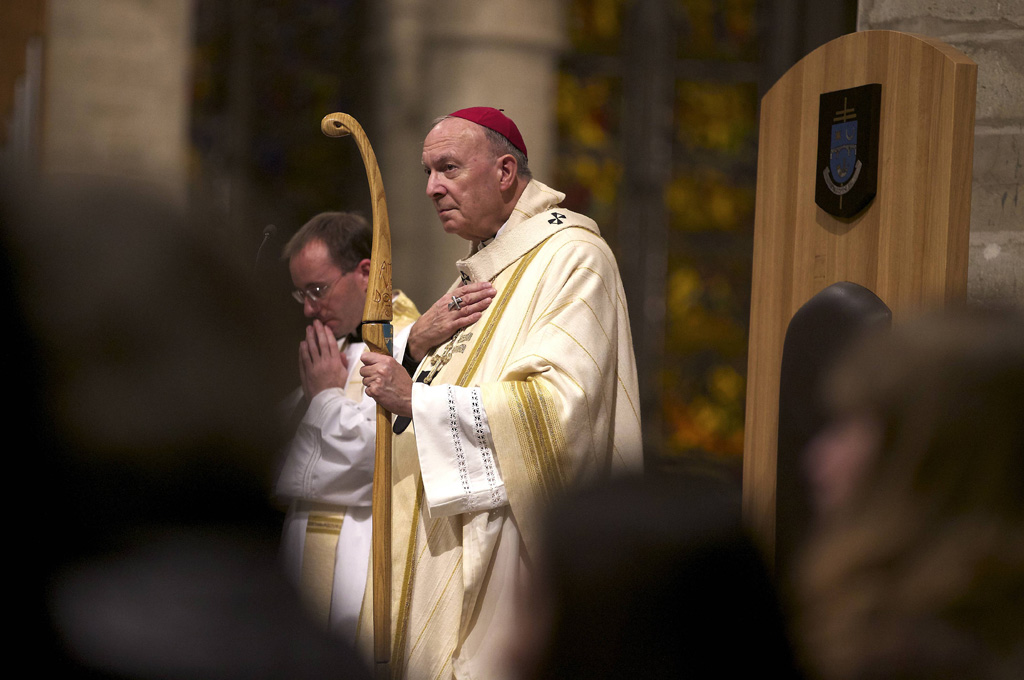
pixel 508 168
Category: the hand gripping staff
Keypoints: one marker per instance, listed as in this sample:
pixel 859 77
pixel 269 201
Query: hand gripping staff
pixel 377 332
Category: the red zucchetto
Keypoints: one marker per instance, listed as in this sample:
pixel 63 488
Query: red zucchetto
pixel 495 120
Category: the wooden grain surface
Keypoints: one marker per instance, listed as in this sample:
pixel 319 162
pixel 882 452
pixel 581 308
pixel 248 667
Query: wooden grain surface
pixel 378 293
pixel 376 331
pixel 909 246
pixel 377 338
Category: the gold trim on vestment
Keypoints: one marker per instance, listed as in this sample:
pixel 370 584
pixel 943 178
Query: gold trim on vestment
pixel 534 406
pixel 551 311
pixel 613 265
pixel 540 436
pixel 433 611
pixel 512 342
pixel 614 299
pixel 500 305
pixel 580 345
pixel 412 560
pixel 554 432
pixel 405 599
pixel 319 554
pixel 330 526
pixel 588 243
pixel 636 414
pixel 444 667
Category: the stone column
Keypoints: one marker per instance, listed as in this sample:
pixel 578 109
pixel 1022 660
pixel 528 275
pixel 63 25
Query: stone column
pixel 444 55
pixel 397 137
pixel 991 32
pixel 116 90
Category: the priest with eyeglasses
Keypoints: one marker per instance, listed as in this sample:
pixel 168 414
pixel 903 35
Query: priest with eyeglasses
pixel 327 471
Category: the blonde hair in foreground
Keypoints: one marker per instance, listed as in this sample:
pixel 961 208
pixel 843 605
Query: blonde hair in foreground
pixel 920 572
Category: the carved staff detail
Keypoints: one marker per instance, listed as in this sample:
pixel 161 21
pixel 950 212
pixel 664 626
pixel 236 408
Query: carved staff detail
pixel 377 334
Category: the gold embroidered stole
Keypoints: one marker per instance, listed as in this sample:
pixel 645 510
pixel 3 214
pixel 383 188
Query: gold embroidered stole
pixel 319 552
pixel 437 582
pixel 323 529
pixel 323 526
pixel 427 623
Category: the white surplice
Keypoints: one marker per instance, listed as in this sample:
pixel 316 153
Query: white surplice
pixel 328 467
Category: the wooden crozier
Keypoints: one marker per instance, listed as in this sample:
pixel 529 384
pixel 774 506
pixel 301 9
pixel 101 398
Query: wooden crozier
pixel 377 334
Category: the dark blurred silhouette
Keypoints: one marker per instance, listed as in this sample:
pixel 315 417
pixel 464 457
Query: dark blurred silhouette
pixel 816 337
pixel 139 396
pixel 917 567
pixel 652 579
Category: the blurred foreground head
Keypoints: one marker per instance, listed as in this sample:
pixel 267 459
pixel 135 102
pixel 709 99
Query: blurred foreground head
pixel 149 374
pixel 917 570
pixel 140 406
pixel 652 579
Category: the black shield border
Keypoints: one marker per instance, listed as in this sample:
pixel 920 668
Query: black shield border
pixel 865 98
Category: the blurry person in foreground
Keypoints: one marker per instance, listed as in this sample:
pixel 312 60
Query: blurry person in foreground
pixel 138 491
pixel 917 567
pixel 650 579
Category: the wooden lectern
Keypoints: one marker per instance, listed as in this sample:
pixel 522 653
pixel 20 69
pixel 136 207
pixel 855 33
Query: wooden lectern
pixel 908 245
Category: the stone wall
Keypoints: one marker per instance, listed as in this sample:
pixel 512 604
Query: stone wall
pixel 991 32
pixel 438 56
pixel 116 90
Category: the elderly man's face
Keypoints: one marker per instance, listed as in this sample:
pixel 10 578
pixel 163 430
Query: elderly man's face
pixel 340 307
pixel 463 179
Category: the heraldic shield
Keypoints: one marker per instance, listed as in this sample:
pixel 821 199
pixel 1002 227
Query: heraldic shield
pixel 842 160
pixel 848 122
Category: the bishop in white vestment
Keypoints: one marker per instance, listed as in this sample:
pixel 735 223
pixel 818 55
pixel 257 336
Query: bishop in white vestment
pixel 539 394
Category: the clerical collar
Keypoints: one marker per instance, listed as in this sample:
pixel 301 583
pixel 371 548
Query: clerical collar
pixel 488 241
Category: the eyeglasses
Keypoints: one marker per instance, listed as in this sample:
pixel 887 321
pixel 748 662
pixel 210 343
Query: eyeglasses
pixel 314 292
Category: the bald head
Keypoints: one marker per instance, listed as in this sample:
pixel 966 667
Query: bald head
pixel 474 189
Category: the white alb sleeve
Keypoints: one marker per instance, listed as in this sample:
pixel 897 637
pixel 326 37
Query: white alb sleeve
pixel 459 470
pixel 330 458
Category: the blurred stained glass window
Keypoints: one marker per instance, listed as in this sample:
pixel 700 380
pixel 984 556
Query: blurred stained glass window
pixel 589 168
pixel 718 30
pixel 708 199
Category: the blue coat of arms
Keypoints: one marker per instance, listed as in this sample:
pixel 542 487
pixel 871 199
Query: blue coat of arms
pixel 848 166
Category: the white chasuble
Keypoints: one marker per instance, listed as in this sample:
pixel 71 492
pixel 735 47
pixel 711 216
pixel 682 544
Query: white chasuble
pixel 538 395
